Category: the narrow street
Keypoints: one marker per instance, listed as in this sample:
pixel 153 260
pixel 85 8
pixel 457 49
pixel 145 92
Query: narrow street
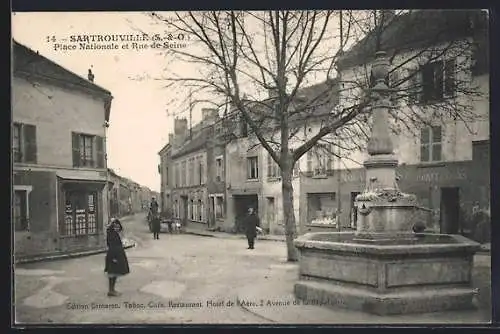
pixel 183 278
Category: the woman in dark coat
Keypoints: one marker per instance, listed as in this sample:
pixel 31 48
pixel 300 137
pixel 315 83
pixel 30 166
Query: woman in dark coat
pixel 251 223
pixel 116 260
pixel 156 226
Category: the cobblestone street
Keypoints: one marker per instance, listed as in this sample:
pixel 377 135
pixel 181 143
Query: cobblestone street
pixel 185 279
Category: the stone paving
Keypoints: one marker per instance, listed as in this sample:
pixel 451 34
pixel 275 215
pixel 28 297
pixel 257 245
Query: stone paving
pixel 184 279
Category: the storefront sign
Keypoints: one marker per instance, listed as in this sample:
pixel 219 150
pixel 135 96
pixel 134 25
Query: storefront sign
pixel 441 174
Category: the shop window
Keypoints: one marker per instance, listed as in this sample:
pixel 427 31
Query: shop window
pixel 80 213
pixel 321 208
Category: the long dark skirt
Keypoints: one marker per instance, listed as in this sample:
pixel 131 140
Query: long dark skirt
pixel 156 225
pixel 116 263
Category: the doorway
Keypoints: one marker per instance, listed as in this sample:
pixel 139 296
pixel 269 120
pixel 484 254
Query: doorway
pixel 354 210
pixel 450 210
pixel 184 210
pixel 241 205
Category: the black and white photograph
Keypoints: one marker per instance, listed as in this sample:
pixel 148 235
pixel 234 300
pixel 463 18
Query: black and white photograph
pixel 265 167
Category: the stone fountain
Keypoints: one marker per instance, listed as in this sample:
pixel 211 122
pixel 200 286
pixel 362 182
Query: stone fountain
pixel 385 267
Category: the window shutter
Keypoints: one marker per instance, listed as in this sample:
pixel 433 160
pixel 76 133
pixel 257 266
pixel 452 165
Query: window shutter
pixel 449 77
pixel 100 151
pixel 76 149
pixel 30 143
pixel 424 135
pixel 414 80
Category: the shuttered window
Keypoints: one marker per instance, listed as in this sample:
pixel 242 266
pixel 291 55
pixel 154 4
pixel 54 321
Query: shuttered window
pixel 24 143
pixel 88 150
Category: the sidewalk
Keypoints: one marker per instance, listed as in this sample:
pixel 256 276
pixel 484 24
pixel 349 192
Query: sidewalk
pixel 127 243
pixel 206 233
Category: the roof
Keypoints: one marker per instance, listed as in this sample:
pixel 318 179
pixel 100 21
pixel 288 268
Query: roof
pixel 200 140
pixel 28 62
pixel 415 29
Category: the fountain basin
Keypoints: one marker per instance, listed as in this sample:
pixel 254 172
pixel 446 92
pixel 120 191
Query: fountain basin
pixel 412 274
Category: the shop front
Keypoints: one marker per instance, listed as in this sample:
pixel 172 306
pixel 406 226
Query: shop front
pixel 81 214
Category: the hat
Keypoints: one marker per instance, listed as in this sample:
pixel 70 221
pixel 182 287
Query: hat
pixel 112 221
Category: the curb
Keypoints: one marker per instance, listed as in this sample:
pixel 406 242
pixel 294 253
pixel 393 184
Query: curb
pixel 69 255
pixel 229 236
pixel 201 234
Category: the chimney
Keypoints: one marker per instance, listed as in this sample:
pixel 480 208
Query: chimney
pixel 90 75
pixel 180 130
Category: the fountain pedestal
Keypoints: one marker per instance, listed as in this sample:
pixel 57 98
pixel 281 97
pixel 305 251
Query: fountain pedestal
pixel 385 267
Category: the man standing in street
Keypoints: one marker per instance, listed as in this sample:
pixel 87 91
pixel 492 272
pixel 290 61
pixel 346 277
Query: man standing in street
pixel 153 207
pixel 251 223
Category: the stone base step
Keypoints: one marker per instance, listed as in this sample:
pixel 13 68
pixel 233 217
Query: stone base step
pixel 420 300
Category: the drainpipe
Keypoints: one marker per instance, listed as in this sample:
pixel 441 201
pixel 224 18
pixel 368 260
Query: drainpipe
pixel 108 190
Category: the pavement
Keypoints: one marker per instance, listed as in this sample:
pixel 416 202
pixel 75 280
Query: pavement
pixel 127 243
pixel 188 279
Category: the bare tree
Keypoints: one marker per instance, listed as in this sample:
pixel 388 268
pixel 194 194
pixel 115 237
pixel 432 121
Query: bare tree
pixel 242 55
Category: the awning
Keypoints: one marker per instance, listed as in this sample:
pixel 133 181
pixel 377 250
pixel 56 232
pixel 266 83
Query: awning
pixel 81 179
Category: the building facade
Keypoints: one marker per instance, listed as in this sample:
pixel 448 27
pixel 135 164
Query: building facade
pixel 445 161
pixel 59 157
pixel 127 197
pixel 187 163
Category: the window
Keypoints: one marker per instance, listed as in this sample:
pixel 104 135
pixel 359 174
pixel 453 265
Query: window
pixel 183 174
pixel 219 207
pixel 88 150
pixel 192 208
pixel 273 169
pixel 80 216
pixel 252 168
pixel 166 176
pixel 197 176
pixel 202 171
pixel 200 210
pixel 430 144
pixel 319 160
pixel 433 82
pixel 191 172
pixel 177 175
pixel 21 208
pixel 24 148
pixel 321 208
pixel 219 169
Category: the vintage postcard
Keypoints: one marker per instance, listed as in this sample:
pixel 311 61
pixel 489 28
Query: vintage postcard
pixel 251 167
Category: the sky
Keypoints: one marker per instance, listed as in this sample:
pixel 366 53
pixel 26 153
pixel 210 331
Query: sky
pixel 142 111
pixel 139 123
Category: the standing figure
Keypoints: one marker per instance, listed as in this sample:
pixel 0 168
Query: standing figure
pixel 116 260
pixel 251 224
pixel 153 207
pixel 156 226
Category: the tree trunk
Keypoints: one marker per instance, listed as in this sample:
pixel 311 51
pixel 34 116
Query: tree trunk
pixel 288 213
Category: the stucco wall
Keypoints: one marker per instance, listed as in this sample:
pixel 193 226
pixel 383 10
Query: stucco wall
pixel 56 112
